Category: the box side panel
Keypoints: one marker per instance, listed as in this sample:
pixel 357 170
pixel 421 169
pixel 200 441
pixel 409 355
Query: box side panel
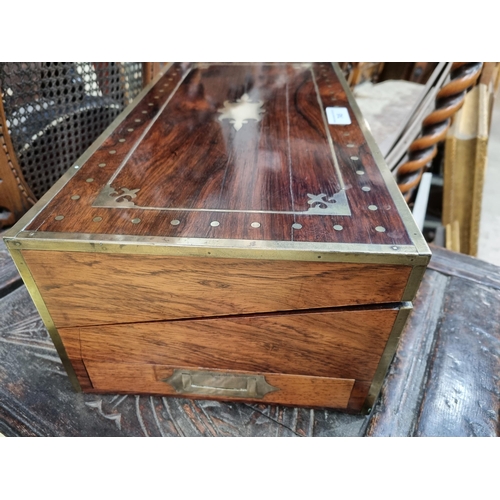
pixel 345 344
pixel 95 289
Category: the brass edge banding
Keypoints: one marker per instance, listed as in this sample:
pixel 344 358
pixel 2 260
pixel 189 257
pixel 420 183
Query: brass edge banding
pixel 47 197
pixel 45 315
pixel 406 216
pixel 414 280
pixel 387 355
pixel 223 248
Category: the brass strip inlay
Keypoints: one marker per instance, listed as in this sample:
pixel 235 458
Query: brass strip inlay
pixel 148 128
pixel 208 383
pixel 327 131
pixel 226 248
pixel 320 204
pixel 387 355
pixel 337 204
pixel 400 203
pixel 44 314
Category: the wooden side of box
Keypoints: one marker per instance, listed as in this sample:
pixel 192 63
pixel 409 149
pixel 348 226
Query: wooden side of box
pixel 330 354
pixel 82 289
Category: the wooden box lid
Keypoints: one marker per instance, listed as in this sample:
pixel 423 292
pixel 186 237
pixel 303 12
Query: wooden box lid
pixel 235 157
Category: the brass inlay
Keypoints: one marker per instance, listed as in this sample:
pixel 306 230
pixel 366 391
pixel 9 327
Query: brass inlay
pixel 111 197
pixel 387 355
pixel 334 205
pixel 44 314
pixel 416 254
pixel 219 384
pixel 239 112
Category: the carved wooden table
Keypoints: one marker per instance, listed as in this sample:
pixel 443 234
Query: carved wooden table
pixel 443 380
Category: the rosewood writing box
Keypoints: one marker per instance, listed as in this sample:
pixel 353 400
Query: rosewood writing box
pixel 234 235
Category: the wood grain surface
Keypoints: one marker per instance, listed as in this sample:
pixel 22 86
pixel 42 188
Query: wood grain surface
pixel 36 397
pixel 294 390
pixel 176 152
pixel 325 344
pixel 94 289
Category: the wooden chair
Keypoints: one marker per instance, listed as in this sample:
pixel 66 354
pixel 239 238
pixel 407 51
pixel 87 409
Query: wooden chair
pixel 415 145
pixel 50 113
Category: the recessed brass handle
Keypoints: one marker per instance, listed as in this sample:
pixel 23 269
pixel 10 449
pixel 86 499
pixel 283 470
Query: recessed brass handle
pixel 219 384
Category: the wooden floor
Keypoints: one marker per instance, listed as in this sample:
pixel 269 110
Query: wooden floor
pixel 444 379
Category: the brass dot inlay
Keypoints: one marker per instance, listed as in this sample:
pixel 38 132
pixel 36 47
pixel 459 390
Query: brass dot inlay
pixel 380 229
pixel 75 197
pixel 59 217
pixel 97 219
pixel 175 222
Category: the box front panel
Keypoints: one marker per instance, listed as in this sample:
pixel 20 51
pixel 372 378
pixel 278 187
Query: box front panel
pixel 301 349
pixel 93 289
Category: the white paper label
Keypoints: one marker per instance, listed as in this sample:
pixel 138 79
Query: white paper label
pixel 338 116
